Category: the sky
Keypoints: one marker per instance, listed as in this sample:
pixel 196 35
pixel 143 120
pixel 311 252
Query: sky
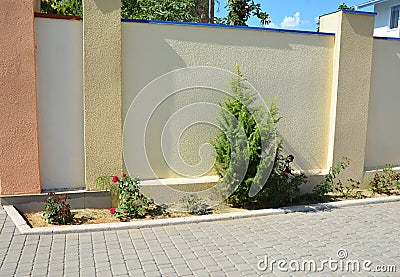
pixel 293 14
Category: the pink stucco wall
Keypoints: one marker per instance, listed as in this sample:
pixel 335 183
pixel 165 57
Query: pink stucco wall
pixel 19 147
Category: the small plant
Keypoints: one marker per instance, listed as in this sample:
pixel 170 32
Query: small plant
pixel 385 182
pixel 327 185
pixel 57 210
pixel 195 205
pixel 348 190
pixel 131 202
pixel 283 184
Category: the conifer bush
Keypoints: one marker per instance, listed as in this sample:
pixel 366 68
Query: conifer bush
pixel 248 151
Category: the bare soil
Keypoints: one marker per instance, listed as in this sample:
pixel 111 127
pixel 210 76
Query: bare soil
pixel 96 216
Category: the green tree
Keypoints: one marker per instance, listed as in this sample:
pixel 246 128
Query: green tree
pixel 344 7
pixel 238 147
pixel 67 7
pixel 170 10
pixel 239 11
pixel 249 154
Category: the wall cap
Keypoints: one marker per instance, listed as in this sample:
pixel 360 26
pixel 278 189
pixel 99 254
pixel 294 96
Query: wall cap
pixel 387 38
pixel 58 16
pixel 128 20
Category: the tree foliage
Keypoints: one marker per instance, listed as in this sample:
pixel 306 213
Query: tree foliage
pixel 170 10
pixel 239 147
pixel 239 11
pixel 249 153
pixel 67 7
pixel 167 10
pixel 344 7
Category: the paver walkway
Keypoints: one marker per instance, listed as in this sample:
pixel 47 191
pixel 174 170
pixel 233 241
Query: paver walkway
pixel 225 248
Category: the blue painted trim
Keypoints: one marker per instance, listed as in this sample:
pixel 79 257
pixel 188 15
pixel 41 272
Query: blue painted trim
pixel 225 26
pixel 351 11
pixel 359 12
pixel 387 38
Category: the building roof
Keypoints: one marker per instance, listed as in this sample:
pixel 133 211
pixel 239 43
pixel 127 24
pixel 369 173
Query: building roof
pixel 369 3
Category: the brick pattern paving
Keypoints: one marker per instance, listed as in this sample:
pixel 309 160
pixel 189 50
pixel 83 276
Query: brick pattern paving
pixel 225 248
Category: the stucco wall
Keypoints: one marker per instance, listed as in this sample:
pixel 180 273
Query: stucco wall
pixel 294 67
pixel 350 87
pixel 102 88
pixel 60 102
pixel 19 146
pixel 382 143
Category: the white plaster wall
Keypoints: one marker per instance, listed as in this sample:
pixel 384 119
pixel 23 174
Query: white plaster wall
pixel 383 132
pixel 60 102
pixel 297 68
pixel 382 19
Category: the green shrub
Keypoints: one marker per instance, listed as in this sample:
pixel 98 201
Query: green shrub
pixel 131 202
pixel 385 181
pixel 195 205
pixel 247 149
pixel 57 210
pixel 283 185
pixel 348 190
pixel 327 185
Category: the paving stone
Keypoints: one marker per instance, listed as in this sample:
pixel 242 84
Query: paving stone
pixel 230 248
pixel 153 274
pixel 183 271
pixel 118 269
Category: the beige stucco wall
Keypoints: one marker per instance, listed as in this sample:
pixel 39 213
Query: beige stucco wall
pixel 60 102
pixel 296 68
pixel 350 87
pixel 102 88
pixel 19 146
pixel 382 143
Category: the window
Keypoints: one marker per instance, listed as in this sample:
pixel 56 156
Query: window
pixel 394 17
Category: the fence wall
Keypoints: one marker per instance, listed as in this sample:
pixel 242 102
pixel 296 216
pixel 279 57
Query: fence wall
pixel 295 68
pixel 19 146
pixel 60 102
pixel 336 92
pixel 382 144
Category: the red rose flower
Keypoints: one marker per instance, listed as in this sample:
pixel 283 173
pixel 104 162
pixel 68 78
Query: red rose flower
pixel 287 170
pixel 124 175
pixel 281 193
pixel 113 210
pixel 115 179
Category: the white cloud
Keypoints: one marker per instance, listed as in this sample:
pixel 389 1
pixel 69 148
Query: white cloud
pixel 291 21
pixel 271 25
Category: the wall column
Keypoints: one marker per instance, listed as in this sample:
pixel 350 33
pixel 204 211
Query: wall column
pixel 19 143
pixel 351 87
pixel 102 88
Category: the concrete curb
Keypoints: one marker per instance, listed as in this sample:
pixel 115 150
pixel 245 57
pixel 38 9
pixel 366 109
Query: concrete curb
pixel 25 229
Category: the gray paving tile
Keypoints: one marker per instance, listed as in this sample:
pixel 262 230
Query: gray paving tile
pixel 226 248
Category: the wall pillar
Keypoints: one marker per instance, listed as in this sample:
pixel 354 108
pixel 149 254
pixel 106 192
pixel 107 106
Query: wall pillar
pixel 350 87
pixel 102 88
pixel 19 143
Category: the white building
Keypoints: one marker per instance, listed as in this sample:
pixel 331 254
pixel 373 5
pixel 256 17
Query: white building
pixel 387 21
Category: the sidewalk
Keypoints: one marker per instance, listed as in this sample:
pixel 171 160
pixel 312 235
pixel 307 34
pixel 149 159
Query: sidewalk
pixel 227 248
